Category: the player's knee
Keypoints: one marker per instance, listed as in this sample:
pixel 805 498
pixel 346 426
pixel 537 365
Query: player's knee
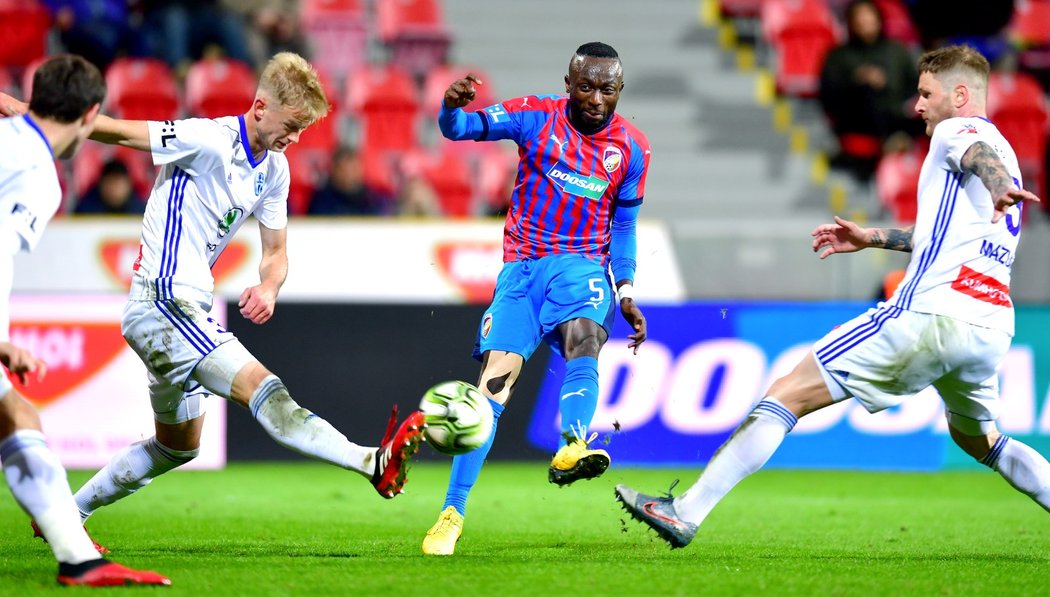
pixel 977 446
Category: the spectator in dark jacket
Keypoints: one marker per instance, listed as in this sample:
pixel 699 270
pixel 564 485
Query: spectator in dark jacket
pixel 865 88
pixel 346 192
pixel 114 193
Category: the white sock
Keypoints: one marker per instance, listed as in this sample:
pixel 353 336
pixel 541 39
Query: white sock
pixel 129 471
pixel 1022 467
pixel 302 431
pixel 39 484
pixel 750 446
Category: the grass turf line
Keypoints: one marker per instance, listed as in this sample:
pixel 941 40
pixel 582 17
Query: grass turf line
pixel 309 529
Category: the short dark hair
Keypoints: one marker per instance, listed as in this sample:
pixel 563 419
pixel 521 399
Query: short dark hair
pixel 65 87
pixel 597 49
pixel 114 167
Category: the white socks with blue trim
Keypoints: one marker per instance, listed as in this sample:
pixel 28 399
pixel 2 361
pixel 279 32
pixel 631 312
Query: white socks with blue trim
pixel 128 471
pixel 750 446
pixel 1022 467
pixel 303 432
pixel 39 484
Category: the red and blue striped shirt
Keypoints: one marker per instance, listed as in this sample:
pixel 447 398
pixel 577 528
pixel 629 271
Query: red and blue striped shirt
pixel 569 185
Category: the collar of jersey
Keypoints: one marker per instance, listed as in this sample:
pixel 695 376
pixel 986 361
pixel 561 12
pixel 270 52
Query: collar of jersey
pixel 36 128
pixel 247 146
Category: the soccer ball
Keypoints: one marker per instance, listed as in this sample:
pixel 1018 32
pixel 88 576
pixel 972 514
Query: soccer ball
pixel 458 416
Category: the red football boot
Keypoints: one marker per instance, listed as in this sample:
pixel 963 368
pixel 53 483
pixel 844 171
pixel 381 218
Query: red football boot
pixel 100 548
pixel 112 574
pixel 395 451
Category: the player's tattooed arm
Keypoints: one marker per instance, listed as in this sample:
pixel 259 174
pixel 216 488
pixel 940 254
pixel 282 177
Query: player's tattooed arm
pixel 894 239
pixel 982 161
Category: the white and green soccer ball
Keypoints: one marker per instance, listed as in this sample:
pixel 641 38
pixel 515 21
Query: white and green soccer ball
pixel 458 416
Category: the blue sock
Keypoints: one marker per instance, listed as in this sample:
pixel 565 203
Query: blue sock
pixel 467 467
pixel 579 396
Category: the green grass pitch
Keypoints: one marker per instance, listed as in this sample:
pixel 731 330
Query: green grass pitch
pixel 308 529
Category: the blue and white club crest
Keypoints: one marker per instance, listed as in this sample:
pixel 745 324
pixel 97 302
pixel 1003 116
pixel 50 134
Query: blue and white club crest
pixel 260 178
pixel 612 157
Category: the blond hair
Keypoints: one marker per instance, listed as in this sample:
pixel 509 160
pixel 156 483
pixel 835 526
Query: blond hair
pixel 290 80
pixel 951 63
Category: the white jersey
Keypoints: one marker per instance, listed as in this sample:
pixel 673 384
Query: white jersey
pixel 208 185
pixel 960 265
pixel 29 197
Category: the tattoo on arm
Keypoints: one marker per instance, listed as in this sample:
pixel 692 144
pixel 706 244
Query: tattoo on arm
pixel 894 239
pixel 982 160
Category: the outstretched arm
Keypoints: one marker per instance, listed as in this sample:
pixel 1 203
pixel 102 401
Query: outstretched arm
pixel 845 236
pixel 982 161
pixel 129 133
pixel 257 302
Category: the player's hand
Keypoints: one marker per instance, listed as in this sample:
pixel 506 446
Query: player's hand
pixel 1009 199
pixel 22 363
pixel 257 304
pixel 843 236
pixel 9 106
pixel 461 92
pixel 633 315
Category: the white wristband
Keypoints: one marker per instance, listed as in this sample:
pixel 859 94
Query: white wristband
pixel 625 292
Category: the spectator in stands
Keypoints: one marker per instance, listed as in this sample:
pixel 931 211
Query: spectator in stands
pixel 346 192
pixel 181 31
pixel 865 88
pixel 113 194
pixel 978 23
pixel 98 30
pixel 272 26
pixel 417 198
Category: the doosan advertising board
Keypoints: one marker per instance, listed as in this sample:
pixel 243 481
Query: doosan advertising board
pixel 706 364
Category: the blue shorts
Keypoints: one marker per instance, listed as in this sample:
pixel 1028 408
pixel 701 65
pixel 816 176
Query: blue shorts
pixel 534 296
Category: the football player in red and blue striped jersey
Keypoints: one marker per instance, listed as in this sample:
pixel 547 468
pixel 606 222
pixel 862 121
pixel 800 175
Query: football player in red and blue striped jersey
pixel 580 183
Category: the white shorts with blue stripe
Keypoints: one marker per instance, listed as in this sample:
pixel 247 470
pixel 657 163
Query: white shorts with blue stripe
pixel 188 355
pixel 887 355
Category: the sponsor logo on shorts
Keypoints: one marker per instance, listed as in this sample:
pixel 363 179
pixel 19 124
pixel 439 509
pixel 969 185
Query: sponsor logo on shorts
pixel 486 325
pixel 612 158
pixel 573 183
pixel 982 287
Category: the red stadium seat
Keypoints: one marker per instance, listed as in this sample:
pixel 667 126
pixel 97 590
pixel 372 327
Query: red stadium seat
pixel 800 32
pixel 323 135
pixel 743 9
pixel 897 23
pixel 1029 30
pixel 142 89
pixel 415 32
pixel 1017 107
pixel 24 29
pixel 439 78
pixel 448 175
pixel 897 181
pixel 219 87
pixel 337 30
pixel 305 172
pixel 383 100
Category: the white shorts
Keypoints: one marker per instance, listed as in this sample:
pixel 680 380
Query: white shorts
pixel 888 355
pixel 188 355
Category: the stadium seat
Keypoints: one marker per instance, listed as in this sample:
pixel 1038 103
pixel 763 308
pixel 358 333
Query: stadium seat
pixel 323 135
pixel 439 78
pixel 1029 31
pixel 897 23
pixel 448 174
pixel 142 89
pixel 383 101
pixel 496 170
pixel 740 9
pixel 1019 110
pixel 897 181
pixel 219 87
pixel 337 31
pixel 800 33
pixel 305 174
pixel 415 33
pixel 24 30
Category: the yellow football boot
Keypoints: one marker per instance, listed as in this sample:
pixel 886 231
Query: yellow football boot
pixel 575 461
pixel 442 537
